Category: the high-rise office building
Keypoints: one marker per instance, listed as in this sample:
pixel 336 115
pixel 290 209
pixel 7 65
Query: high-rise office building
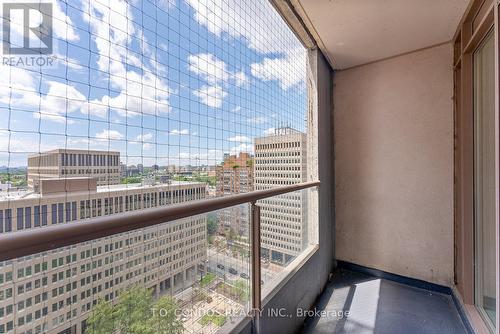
pixel 280 160
pixel 234 176
pixel 104 166
pixel 54 292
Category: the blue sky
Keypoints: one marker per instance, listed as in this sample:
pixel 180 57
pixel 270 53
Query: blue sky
pixel 165 82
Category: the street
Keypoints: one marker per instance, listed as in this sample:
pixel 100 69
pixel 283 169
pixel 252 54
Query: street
pixel 240 265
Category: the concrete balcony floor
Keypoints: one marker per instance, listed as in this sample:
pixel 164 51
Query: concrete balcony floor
pixel 382 306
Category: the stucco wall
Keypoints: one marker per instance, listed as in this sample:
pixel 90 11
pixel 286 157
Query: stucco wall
pixel 393 133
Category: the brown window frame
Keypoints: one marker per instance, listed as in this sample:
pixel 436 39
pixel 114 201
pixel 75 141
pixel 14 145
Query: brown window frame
pixel 479 19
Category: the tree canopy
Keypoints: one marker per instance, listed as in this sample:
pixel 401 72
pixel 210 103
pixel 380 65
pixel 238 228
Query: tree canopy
pixel 135 312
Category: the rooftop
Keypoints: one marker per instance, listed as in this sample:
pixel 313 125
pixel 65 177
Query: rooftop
pixel 27 194
pixel 74 150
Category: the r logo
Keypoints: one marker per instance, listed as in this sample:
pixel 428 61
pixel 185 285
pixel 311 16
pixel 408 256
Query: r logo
pixel 27 28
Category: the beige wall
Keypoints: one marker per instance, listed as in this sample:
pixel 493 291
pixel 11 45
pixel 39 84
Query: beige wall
pixel 394 165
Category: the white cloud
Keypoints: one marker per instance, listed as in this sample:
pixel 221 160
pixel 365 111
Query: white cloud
pixel 241 139
pixel 269 131
pixel 19 142
pixel 259 24
pixel 212 96
pixel 166 4
pixel 240 79
pixel 62 25
pixel 176 132
pixel 140 93
pixel 61 99
pixel 209 67
pixel 257 120
pixel 236 109
pixel 17 145
pixel 18 79
pixel 145 137
pixel 109 134
pixel 289 71
pixel 72 63
pixel 216 74
pixel 246 148
pixel 255 21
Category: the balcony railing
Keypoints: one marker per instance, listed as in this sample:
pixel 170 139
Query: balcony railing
pixel 34 241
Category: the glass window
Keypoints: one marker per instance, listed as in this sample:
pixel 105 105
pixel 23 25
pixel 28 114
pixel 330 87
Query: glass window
pixel 44 215
pixel 60 212
pixel 27 215
pixel 54 214
pixel 36 215
pixel 68 211
pixel 484 178
pixel 20 219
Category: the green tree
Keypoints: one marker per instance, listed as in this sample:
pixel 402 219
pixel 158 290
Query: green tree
pixel 135 312
pixel 131 179
pixel 207 279
pixel 101 320
pixel 241 289
pixel 164 319
pixel 211 225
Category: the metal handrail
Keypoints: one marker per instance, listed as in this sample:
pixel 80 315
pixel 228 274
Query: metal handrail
pixel 256 267
pixel 29 242
pixel 24 243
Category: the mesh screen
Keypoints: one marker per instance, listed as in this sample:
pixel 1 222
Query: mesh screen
pixel 113 106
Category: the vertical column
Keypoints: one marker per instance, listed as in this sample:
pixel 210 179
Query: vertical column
pixel 255 255
pixel 496 10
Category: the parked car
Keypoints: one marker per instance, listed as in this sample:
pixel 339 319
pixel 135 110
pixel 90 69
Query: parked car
pixel 220 266
pixel 233 271
pixel 244 275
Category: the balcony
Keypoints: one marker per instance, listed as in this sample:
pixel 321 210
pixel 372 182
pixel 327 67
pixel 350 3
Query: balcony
pixel 303 166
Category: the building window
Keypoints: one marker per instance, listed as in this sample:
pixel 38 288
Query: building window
pixel 20 219
pixel 27 215
pixel 44 215
pixel 73 211
pixel 54 214
pixel 68 211
pixel 36 215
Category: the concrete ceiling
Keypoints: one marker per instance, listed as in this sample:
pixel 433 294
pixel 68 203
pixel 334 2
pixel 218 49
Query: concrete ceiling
pixel 355 32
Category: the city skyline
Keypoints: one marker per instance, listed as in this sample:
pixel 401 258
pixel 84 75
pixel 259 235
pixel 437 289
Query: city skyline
pixel 61 191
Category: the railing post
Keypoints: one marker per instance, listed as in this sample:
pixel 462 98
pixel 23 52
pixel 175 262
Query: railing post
pixel 256 276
